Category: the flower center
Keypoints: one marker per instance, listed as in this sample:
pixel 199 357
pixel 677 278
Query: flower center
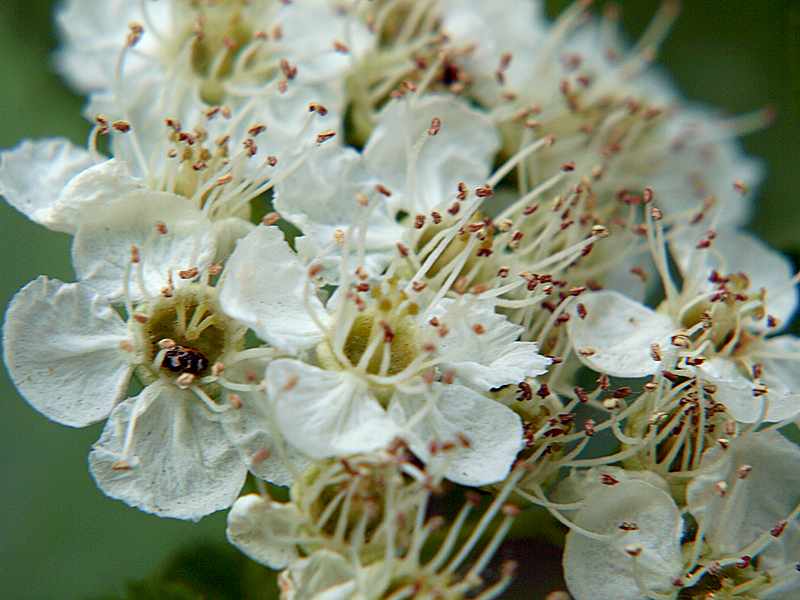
pixel 185 333
pixel 382 338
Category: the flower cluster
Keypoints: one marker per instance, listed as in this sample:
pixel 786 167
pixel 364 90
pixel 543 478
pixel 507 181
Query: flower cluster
pixel 428 264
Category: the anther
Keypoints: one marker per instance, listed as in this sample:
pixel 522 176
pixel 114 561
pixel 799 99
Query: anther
pixel 326 135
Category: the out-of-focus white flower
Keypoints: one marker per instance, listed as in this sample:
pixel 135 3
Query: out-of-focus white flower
pixel 218 52
pixel 736 291
pixel 377 351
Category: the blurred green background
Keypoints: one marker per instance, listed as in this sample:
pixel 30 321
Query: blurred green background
pixel 59 536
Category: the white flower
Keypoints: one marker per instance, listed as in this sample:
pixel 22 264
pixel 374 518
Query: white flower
pixel 174 449
pixel 734 294
pixel 357 527
pixel 215 51
pixel 376 350
pixel 215 162
pixel 629 541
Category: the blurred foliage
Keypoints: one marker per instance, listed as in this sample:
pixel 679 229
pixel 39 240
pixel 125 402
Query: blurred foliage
pixel 61 538
pixel 206 571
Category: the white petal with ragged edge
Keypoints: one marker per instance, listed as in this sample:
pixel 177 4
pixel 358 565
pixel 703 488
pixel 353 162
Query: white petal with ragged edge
pixel 620 333
pixel 601 568
pixel 265 530
pixel 263 287
pixel 326 413
pixel 490 359
pixel 494 432
pixel 182 464
pixel 62 350
pixel 101 250
pixel 462 150
pixel 33 175
pixel 253 429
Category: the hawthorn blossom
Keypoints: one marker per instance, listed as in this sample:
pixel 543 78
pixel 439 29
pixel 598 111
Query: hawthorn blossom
pixel 629 539
pixel 356 528
pixel 178 448
pixel 217 52
pixel 736 292
pixel 376 358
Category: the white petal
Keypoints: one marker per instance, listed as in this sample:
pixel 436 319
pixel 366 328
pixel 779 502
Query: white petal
pixel 101 251
pixel 735 389
pixel 620 332
pixel 462 150
pixel 265 530
pixel 33 175
pixel 263 288
pixel 183 466
pixel 94 188
pixel 228 232
pixel 321 199
pixel 494 432
pixel 313 576
pixel 601 568
pixel 93 36
pixel 751 506
pixel 326 413
pixel 62 349
pixel 253 429
pixel 780 357
pixel 490 359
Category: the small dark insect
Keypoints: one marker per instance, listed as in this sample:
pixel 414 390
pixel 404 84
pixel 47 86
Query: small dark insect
pixel 182 359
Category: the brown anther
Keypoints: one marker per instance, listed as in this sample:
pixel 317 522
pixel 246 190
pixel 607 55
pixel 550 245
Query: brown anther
pixel 214 269
pixel 121 465
pixel 587 351
pixel 588 427
pixel 581 309
pixel 511 510
pixel 463 191
pixel 135 256
pixel 318 108
pixel 778 529
pixel 135 32
pixel 484 191
pixel 227 178
pixel 383 190
pixel 272 160
pixel 326 135
pixel 121 126
pixel 388 332
pixel 419 221
pixel 600 231
pixel 189 273
pixel 436 216
pixel 463 440
pixel 608 479
pixel 289 70
pixel 402 249
pixel 743 471
pixel 740 186
pixel 256 129
pixel 448 377
pixel 418 286
pixel 543 391
pixel 436 126
pixel 628 526
pixel 340 47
